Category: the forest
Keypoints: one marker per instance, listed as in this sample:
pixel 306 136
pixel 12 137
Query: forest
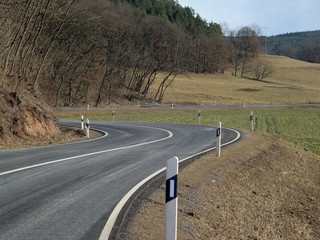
pixel 303 46
pixel 185 17
pixel 71 53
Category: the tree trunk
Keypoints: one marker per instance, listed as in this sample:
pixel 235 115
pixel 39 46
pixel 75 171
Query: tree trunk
pixel 51 43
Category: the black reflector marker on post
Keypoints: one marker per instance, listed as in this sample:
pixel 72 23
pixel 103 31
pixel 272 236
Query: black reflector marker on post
pixel 199 117
pixel 82 124
pixel 113 113
pixel 251 122
pixel 171 198
pixel 218 143
pixel 88 128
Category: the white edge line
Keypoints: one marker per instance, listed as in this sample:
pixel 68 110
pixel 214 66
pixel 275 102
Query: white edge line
pixel 105 134
pixel 90 154
pixel 116 211
pixel 105 234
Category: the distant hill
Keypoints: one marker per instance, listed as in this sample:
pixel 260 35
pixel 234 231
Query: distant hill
pixel 303 46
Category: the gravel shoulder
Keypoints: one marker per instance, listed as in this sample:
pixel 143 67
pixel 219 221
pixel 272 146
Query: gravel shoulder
pixel 260 188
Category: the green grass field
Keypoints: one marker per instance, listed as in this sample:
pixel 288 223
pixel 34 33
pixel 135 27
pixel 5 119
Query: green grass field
pixel 300 126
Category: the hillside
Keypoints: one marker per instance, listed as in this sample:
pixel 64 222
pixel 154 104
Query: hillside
pixel 292 81
pixel 303 46
pixel 106 52
pixel 74 53
pixel 185 17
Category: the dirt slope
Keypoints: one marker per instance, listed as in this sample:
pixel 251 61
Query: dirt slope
pixel 261 188
pixel 25 119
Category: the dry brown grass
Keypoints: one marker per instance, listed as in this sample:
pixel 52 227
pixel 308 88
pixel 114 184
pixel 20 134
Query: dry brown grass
pixel 261 188
pixel 292 82
pixel 295 72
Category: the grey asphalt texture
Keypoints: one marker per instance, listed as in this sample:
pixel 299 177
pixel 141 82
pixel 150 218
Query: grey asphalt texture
pixel 73 198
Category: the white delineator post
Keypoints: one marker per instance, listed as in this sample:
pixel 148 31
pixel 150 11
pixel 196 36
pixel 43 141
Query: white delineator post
pixel 218 143
pixel 171 198
pixel 199 117
pixel 88 128
pixel 251 122
pixel 113 115
pixel 82 123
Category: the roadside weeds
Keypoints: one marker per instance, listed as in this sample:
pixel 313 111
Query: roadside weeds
pixel 68 134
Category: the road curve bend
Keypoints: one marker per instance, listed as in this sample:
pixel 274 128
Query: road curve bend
pixel 69 191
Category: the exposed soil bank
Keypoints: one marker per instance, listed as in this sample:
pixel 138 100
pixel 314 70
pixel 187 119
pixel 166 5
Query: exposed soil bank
pixel 25 119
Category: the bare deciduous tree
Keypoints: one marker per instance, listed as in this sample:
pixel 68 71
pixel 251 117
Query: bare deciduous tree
pixel 261 69
pixel 244 46
pixel 73 52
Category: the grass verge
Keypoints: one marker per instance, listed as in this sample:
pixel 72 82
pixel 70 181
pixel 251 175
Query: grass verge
pixel 260 188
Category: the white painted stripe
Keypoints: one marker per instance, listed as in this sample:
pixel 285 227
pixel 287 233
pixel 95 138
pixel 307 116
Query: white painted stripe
pixel 116 211
pixel 91 154
pixel 112 219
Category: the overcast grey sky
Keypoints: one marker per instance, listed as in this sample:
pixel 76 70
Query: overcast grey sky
pixel 279 16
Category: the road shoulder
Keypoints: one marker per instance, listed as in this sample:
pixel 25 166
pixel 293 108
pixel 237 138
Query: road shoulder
pixel 68 134
pixel 261 188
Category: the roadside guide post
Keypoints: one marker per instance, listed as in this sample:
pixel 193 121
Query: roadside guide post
pixel 82 124
pixel 88 128
pixel 251 122
pixel 113 113
pixel 171 198
pixel 218 143
pixel 199 117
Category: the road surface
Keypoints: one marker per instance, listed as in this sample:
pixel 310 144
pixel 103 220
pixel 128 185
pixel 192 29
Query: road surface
pixel 69 191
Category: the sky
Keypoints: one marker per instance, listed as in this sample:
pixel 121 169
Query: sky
pixel 273 16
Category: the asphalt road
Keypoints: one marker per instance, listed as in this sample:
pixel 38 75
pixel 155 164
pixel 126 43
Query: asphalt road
pixel 69 191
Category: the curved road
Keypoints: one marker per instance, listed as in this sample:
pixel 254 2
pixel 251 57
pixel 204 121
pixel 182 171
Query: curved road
pixel 69 191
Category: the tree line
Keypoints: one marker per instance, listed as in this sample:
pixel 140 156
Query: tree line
pixel 171 10
pixel 74 52
pixel 303 46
